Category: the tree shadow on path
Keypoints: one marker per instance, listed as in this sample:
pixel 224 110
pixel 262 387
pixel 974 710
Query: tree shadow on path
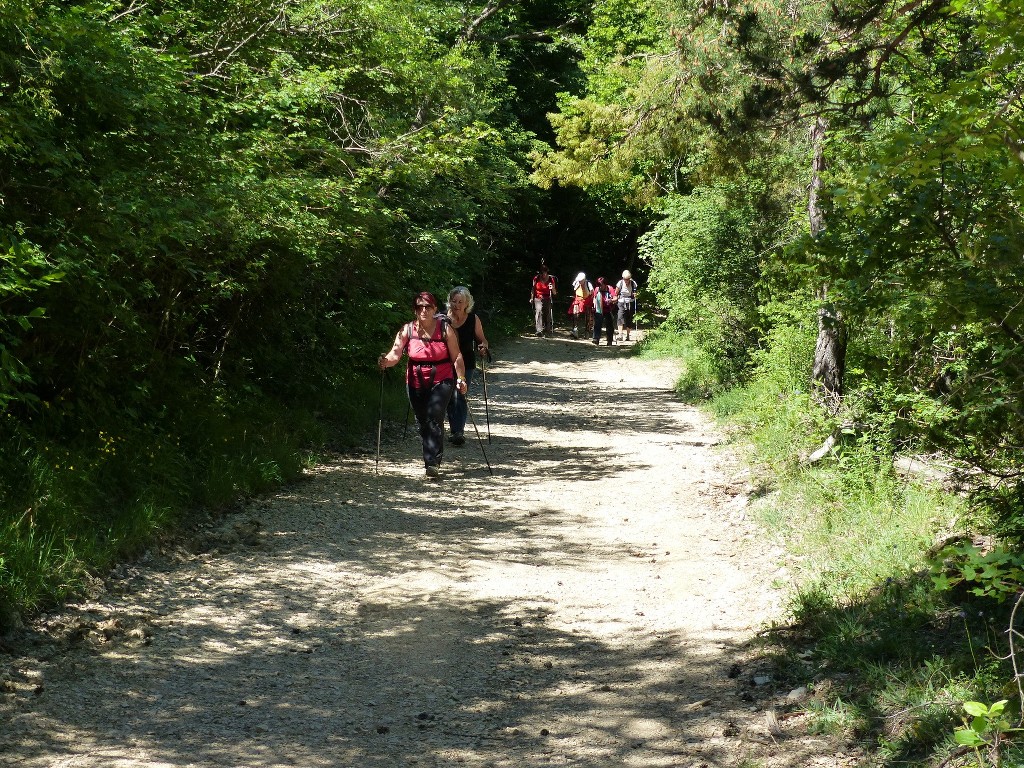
pixel 375 619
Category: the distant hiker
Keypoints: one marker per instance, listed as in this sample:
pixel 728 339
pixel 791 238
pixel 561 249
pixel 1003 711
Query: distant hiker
pixel 582 289
pixel 543 291
pixel 603 302
pixel 625 290
pixel 470 331
pixel 435 369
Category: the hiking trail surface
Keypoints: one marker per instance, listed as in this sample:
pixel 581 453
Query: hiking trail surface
pixel 593 603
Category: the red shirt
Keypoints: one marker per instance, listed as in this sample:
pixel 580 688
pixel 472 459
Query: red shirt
pixel 429 361
pixel 543 285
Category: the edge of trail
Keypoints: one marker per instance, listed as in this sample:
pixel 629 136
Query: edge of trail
pixel 595 602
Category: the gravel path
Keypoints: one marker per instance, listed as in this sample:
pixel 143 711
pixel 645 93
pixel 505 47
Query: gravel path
pixel 590 604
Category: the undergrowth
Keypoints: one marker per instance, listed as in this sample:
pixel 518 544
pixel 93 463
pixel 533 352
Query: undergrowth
pixel 889 659
pixel 700 377
pixel 73 506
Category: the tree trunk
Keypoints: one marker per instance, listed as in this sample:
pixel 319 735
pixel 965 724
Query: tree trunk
pixel 830 349
pixel 830 357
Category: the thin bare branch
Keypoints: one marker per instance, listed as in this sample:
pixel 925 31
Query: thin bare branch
pixel 492 7
pixel 259 31
pixel 133 8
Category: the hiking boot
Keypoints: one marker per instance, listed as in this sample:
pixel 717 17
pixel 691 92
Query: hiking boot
pixel 574 334
pixel 458 439
pixel 433 473
pixel 540 333
pixel 595 341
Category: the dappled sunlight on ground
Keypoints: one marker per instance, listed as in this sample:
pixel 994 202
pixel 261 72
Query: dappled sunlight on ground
pixel 584 603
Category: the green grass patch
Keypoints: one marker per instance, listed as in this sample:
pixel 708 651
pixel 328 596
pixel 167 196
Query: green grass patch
pixel 851 526
pixel 700 376
pixel 73 505
pixel 889 659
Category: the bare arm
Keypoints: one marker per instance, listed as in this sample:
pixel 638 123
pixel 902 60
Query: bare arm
pixel 395 353
pixel 481 340
pixel 455 355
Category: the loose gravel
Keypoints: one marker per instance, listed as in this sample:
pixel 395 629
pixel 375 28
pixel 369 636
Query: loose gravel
pixel 592 603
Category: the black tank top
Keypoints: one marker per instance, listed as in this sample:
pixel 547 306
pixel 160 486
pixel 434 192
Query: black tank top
pixel 467 338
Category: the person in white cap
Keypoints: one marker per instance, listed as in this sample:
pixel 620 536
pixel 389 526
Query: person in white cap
pixel 582 289
pixel 625 289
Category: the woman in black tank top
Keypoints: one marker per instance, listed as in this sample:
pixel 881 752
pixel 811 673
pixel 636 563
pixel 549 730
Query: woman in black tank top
pixel 471 336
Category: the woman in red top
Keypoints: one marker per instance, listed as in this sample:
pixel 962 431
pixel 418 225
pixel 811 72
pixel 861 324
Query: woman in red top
pixel 603 301
pixel 435 370
pixel 543 291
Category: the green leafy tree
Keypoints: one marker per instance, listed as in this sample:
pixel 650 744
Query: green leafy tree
pixel 215 211
pixel 896 128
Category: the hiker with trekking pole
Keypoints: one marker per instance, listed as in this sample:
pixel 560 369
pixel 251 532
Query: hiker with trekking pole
pixel 603 301
pixel 542 292
pixel 435 370
pixel 626 290
pixel 582 290
pixel 470 331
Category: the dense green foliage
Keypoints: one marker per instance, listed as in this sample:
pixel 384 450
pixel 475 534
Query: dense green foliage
pixel 706 115
pixel 214 216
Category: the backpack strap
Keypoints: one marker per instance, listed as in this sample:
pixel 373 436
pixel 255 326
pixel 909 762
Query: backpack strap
pixel 444 323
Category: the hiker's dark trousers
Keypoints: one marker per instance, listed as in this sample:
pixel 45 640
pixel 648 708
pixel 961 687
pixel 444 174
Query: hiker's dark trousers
pixel 458 407
pixel 430 404
pixel 608 320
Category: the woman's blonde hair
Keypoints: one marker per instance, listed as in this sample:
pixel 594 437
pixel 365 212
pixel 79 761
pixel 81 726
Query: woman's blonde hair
pixel 461 290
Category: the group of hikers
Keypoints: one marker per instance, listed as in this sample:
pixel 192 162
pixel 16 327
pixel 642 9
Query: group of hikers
pixel 442 352
pixel 595 306
pixel 442 349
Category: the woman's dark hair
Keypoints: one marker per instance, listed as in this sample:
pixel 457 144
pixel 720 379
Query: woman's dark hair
pixel 424 297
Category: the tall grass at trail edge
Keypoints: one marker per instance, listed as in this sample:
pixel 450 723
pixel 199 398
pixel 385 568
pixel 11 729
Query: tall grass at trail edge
pixel 700 376
pixel 888 660
pixel 73 508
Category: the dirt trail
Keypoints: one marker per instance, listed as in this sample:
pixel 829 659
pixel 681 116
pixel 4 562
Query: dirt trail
pixel 589 604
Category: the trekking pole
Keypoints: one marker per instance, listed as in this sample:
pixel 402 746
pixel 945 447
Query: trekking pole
pixel 380 422
pixel 478 438
pixel 408 410
pixel 487 410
